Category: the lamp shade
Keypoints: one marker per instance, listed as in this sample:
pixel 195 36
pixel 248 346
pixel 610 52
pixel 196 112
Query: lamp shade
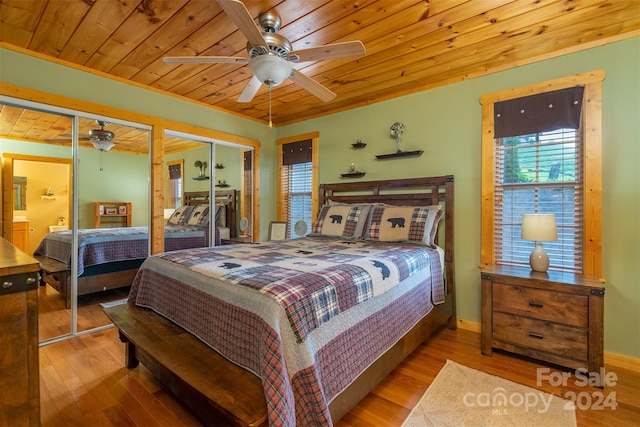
pixel 270 69
pixel 539 227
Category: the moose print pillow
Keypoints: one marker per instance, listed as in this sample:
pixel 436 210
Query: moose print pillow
pixel 346 221
pixel 411 224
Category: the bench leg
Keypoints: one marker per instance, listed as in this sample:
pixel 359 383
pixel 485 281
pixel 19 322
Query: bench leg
pixel 130 359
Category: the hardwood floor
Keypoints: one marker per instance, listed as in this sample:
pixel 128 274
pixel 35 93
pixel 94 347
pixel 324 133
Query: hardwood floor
pixel 55 320
pixel 83 382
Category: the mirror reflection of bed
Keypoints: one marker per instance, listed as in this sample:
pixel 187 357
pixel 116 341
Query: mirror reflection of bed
pixel 108 282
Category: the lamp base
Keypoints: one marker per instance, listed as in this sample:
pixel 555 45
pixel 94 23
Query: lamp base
pixel 538 260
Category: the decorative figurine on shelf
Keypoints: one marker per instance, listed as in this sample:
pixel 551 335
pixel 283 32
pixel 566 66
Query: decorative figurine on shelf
pixel 396 132
pixel 49 192
pixel 62 221
pixel 352 168
pixel 202 166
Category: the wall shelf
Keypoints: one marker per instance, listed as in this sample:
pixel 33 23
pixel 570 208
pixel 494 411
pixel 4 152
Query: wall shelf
pixel 200 178
pixel 112 214
pixel 222 185
pixel 358 145
pixel 353 174
pixel 400 154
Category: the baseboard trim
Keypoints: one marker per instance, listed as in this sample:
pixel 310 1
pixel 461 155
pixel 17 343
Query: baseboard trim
pixel 610 359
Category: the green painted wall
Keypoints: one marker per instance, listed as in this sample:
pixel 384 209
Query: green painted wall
pixel 446 123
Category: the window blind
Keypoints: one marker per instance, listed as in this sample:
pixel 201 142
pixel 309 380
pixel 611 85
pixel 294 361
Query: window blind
pixel 174 199
pixel 297 185
pixel 247 196
pixel 540 173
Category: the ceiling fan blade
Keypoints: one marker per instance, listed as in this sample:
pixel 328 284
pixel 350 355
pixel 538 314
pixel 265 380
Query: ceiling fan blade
pixel 312 86
pixel 329 51
pixel 250 90
pixel 238 12
pixel 80 137
pixel 205 60
pixel 56 140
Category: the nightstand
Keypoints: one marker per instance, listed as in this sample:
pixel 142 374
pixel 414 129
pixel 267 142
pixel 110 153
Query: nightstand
pixel 554 317
pixel 236 240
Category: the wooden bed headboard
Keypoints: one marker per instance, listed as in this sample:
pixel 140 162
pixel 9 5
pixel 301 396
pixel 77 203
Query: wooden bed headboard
pixel 227 197
pixel 406 192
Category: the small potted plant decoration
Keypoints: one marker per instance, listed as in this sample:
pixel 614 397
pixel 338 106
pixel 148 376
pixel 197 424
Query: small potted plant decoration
pixel 202 166
pixel 396 133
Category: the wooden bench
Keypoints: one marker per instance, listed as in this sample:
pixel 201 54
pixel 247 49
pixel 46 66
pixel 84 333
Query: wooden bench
pixel 58 275
pixel 217 392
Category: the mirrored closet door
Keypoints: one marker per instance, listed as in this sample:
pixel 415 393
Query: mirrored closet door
pixel 37 198
pixel 197 167
pixel 70 180
pixel 113 213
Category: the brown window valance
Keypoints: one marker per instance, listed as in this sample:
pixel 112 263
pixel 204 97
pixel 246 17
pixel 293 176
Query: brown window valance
pixel 174 171
pixel 248 156
pixel 559 109
pixel 296 152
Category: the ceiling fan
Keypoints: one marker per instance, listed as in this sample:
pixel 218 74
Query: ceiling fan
pixel 271 54
pixel 101 139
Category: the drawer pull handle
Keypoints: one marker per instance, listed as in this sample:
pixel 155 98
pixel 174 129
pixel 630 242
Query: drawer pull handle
pixel 535 335
pixel 535 304
pixel 7 285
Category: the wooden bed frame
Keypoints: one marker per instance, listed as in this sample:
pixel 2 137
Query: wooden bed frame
pixel 227 197
pixel 219 392
pixel 58 275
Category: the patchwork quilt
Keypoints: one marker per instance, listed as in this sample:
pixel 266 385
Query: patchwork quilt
pixel 305 315
pixel 103 245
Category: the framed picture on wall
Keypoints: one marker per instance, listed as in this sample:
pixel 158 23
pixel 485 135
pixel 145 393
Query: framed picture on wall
pixel 122 209
pixel 277 230
pixel 111 211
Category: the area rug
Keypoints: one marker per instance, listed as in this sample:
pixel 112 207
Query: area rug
pixel 461 396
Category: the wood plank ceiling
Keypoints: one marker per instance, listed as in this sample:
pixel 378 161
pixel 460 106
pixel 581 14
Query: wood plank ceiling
pixel 412 45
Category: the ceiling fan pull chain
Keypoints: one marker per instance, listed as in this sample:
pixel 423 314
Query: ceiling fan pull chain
pixel 270 123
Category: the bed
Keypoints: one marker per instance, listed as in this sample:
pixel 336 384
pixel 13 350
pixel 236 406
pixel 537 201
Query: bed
pixel 109 258
pixel 261 308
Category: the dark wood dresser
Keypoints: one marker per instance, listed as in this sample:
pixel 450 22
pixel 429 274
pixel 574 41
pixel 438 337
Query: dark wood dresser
pixel 555 317
pixel 19 370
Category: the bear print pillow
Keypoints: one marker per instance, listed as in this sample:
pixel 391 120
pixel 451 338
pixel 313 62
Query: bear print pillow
pixel 411 224
pixel 346 221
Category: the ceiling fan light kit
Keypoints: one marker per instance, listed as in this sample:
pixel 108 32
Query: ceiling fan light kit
pixel 270 69
pixel 102 144
pixel 100 138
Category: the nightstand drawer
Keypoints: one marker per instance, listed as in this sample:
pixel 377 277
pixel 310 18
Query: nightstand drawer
pixel 560 307
pixel 565 341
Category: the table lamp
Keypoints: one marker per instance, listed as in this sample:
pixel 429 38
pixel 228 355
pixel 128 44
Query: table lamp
pixel 539 228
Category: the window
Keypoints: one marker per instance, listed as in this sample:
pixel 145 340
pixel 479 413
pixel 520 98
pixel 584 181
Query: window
pixel 539 173
pixel 297 181
pixel 543 169
pixel 246 207
pixel 174 184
